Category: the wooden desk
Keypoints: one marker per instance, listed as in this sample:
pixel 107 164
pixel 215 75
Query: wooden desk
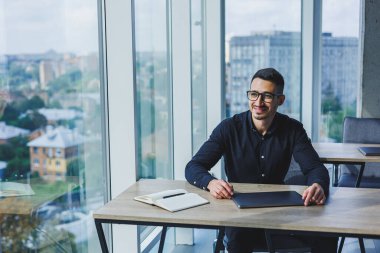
pixel 348 212
pixel 344 153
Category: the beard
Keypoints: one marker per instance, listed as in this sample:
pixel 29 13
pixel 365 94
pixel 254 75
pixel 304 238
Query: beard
pixel 264 113
pixel 260 117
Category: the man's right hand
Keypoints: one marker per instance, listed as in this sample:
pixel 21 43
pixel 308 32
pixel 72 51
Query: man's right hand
pixel 220 189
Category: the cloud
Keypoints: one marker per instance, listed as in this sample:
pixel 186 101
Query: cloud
pixel 341 17
pixel 40 25
pixel 244 16
pixel 72 25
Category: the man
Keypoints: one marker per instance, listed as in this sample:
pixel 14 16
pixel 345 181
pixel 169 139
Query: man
pixel 257 146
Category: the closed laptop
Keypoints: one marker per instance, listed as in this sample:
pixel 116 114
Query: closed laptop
pixel 370 151
pixel 267 199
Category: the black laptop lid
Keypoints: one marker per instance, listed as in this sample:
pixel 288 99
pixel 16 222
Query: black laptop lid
pixel 267 199
pixel 370 151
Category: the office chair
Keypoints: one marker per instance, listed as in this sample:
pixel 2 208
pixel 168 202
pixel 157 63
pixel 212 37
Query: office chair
pixel 360 130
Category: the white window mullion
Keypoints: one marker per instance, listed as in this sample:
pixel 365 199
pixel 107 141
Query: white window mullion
pixel 181 73
pixel 215 62
pixel 120 79
pixel 311 66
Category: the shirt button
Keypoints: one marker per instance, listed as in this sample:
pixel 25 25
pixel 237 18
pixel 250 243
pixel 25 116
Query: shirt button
pixel 263 175
pixel 262 156
pixel 262 138
pixel 195 182
pixel 204 188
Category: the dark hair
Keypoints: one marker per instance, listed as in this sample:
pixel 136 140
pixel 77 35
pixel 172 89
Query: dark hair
pixel 270 74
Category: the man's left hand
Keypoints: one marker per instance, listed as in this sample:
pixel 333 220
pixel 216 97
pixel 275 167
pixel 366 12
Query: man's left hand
pixel 314 194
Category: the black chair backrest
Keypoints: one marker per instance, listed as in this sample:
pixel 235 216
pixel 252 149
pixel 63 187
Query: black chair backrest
pixel 361 130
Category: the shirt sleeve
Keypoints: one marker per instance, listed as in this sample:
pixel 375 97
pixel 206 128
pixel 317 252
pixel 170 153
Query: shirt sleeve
pixel 308 159
pixel 197 170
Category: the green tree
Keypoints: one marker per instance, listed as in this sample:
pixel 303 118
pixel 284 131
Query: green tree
pixel 10 115
pixel 19 165
pixel 74 167
pixel 32 121
pixel 35 103
pixel 6 152
pixel 330 102
pixel 17 168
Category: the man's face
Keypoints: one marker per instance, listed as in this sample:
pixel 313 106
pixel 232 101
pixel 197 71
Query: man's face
pixel 261 109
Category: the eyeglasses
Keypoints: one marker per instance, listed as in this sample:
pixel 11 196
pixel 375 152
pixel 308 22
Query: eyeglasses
pixel 266 96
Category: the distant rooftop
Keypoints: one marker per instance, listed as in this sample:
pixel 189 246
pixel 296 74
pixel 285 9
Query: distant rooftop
pixel 8 132
pixel 57 138
pixel 60 114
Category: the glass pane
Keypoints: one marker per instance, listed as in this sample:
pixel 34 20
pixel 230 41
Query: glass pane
pixel 153 97
pixel 153 90
pixel 50 125
pixel 340 66
pixel 198 67
pixel 262 34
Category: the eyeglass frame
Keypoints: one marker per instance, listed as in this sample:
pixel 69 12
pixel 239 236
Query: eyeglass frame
pixel 260 94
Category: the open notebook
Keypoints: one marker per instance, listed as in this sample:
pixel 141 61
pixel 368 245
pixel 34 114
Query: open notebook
pixel 173 200
pixel 267 199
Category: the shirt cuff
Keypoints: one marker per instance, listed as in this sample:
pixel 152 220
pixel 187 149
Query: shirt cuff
pixel 203 182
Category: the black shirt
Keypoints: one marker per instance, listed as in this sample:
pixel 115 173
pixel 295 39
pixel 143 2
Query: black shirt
pixel 250 157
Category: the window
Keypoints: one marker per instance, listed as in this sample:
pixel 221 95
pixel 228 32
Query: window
pixel 153 95
pixel 256 39
pixel 58 152
pixel 153 90
pixel 49 64
pixel 339 65
pixel 198 68
pixel 50 152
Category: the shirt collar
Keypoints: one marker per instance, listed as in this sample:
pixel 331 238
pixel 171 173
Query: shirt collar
pixel 272 128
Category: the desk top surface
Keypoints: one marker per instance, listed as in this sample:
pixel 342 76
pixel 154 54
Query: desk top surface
pixel 344 152
pixel 348 210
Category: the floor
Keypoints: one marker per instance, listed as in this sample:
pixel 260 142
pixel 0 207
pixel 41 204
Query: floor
pixel 204 239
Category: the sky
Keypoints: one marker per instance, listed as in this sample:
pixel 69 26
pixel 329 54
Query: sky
pixel 71 25
pixel 341 17
pixel 40 25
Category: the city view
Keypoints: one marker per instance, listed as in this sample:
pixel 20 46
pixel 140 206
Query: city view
pixel 282 50
pixel 50 136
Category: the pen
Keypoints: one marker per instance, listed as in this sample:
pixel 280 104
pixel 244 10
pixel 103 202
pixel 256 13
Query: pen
pixel 169 196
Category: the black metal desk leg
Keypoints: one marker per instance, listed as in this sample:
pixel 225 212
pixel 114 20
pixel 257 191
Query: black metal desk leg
pixel 269 241
pixel 102 238
pixel 336 174
pixel 360 174
pixel 341 243
pixel 162 241
pixel 361 244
